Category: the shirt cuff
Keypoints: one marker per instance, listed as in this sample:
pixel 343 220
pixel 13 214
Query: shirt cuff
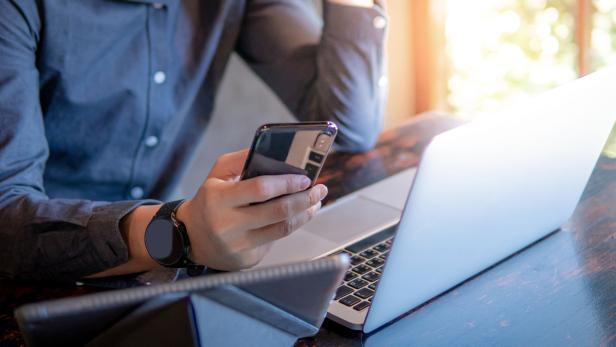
pixel 347 22
pixel 104 229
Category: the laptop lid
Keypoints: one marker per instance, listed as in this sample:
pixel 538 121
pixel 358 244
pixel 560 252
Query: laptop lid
pixel 487 189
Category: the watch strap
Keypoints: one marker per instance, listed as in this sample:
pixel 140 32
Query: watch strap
pixel 168 210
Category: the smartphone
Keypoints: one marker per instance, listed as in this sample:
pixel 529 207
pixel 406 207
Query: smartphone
pixel 290 148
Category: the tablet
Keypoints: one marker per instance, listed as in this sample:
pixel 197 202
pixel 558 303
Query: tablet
pixel 292 297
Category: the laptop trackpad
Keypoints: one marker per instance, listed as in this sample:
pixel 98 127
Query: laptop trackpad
pixel 347 219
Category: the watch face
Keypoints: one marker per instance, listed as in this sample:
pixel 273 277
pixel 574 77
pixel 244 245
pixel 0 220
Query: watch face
pixel 163 242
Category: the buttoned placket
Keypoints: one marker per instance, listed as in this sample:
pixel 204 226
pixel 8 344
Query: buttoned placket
pixel 156 111
pixel 380 23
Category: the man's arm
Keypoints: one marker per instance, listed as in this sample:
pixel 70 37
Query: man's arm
pixel 67 239
pixel 230 223
pixel 42 238
pixel 322 71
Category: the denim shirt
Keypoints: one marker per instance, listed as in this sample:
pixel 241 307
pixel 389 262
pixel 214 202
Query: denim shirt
pixel 102 101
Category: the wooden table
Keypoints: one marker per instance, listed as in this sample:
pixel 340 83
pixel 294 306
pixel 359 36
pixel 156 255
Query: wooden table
pixel 560 291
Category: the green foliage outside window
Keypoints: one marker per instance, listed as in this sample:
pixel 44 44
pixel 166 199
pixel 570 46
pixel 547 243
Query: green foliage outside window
pixel 503 51
pixel 603 50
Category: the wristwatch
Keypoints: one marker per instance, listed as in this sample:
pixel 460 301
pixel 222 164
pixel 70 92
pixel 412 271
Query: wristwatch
pixel 167 241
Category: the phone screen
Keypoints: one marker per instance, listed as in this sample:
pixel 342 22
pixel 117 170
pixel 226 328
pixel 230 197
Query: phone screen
pixel 288 150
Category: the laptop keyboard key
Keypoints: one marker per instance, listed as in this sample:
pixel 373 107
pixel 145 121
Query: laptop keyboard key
pixel 361 269
pixel 342 291
pixel 349 276
pixel 369 253
pixel 375 262
pixel 372 240
pixel 379 270
pixel 349 300
pixel 383 247
pixel 357 283
pixel 355 260
pixel 371 277
pixel 364 293
pixel 372 286
pixel 362 305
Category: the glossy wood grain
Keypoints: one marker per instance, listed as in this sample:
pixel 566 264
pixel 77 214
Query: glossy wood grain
pixel 560 291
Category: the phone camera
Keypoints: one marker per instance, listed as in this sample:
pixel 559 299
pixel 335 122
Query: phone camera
pixel 322 143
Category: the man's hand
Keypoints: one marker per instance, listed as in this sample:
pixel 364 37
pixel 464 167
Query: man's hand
pixel 232 223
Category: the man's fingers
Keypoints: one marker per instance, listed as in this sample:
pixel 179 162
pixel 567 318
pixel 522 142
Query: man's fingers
pixel 229 165
pixel 264 188
pixel 273 232
pixel 280 209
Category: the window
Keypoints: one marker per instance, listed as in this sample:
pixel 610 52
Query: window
pixel 476 56
pixel 603 43
pixel 501 51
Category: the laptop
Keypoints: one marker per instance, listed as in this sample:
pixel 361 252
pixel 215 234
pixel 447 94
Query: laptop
pixel 482 192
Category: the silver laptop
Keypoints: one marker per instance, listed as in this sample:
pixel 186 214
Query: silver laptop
pixel 482 192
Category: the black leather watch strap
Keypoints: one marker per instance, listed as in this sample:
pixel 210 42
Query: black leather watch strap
pixel 167 211
pixel 169 208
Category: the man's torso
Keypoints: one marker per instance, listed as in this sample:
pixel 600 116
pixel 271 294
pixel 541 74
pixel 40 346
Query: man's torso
pixel 126 89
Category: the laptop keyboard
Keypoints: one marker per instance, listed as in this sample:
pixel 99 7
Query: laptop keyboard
pixel 367 261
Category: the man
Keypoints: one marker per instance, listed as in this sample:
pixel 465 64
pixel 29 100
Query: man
pixel 101 103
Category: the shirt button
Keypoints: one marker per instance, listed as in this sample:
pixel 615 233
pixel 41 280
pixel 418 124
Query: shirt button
pixel 151 141
pixel 158 6
pixel 159 77
pixel 379 22
pixel 136 192
pixel 383 81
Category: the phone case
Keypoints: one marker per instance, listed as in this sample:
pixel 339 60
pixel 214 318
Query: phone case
pixel 290 148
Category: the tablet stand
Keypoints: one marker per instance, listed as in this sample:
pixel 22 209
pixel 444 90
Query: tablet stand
pixel 224 316
pixel 262 307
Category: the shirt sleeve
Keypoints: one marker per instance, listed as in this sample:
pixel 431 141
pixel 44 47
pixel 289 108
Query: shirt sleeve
pixel 42 238
pixel 322 70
